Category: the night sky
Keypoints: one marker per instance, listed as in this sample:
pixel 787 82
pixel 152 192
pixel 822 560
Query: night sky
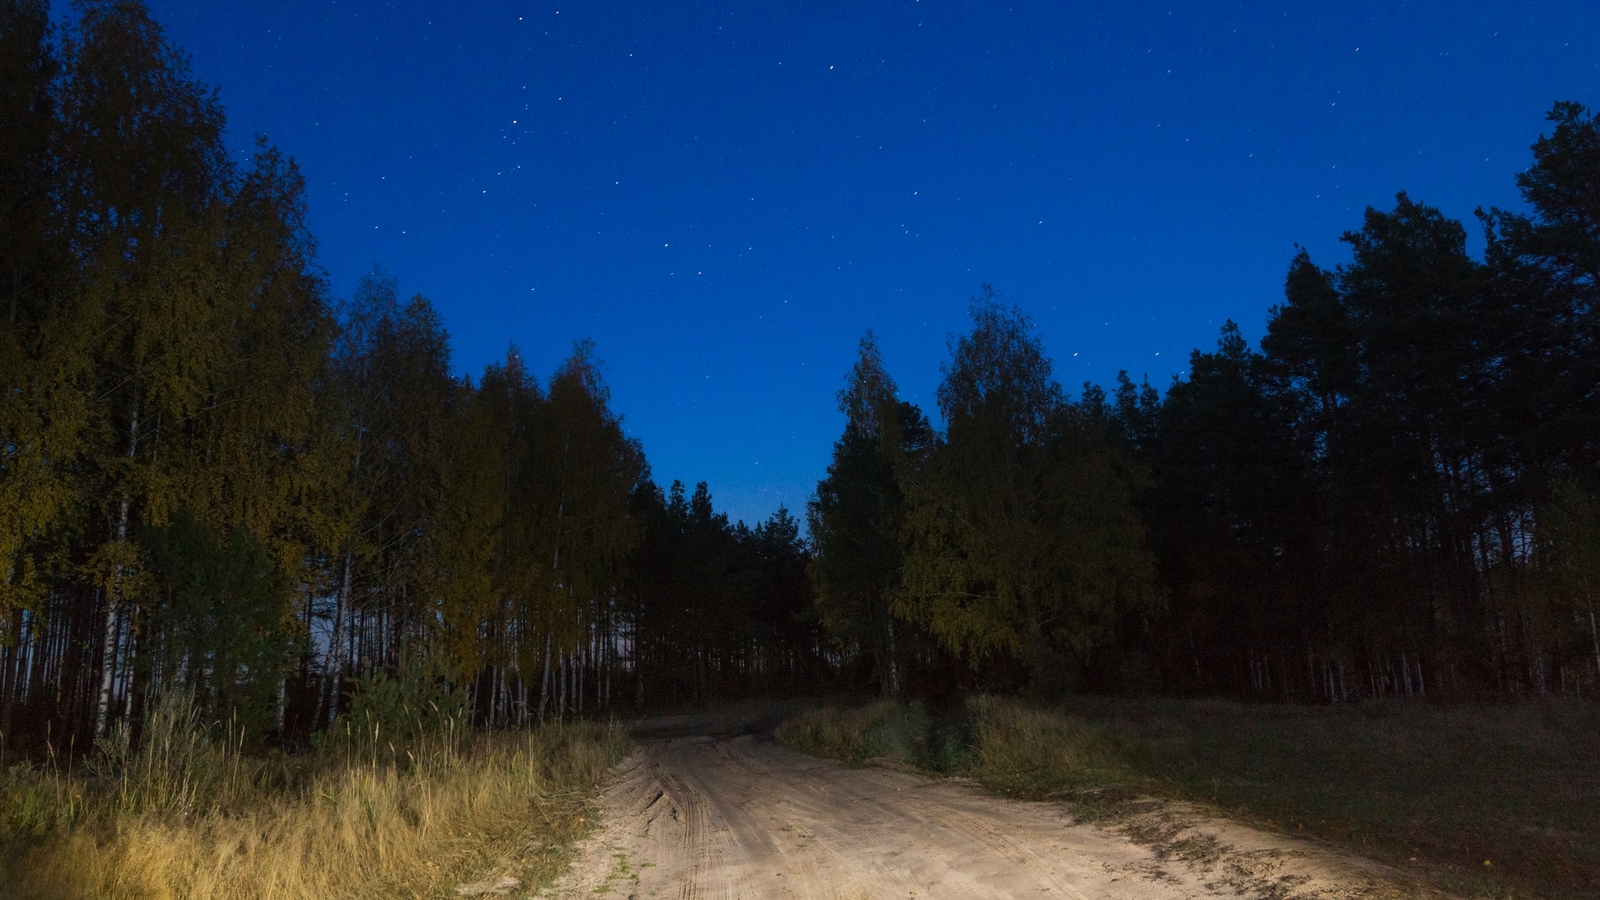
pixel 724 195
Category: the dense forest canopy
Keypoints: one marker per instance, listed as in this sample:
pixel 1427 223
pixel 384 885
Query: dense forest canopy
pixel 217 479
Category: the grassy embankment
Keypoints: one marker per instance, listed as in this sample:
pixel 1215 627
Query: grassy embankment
pixel 190 816
pixel 1433 789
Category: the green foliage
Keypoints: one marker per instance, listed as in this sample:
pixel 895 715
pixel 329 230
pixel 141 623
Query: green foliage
pixel 579 477
pixel 882 730
pixel 163 337
pixel 1570 541
pixel 398 711
pixel 39 419
pixel 1030 752
pixel 1021 534
pixel 226 618
pixel 1011 747
pixel 1567 574
pixel 858 514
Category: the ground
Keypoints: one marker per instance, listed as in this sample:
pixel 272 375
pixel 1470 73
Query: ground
pixel 718 814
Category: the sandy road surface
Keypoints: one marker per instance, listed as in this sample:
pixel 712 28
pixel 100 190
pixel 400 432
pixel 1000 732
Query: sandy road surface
pixel 701 817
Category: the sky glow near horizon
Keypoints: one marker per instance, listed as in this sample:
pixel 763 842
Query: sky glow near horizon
pixel 724 196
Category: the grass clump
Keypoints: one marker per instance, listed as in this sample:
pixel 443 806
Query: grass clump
pixel 190 815
pixel 1011 747
pixel 879 730
pixel 1034 753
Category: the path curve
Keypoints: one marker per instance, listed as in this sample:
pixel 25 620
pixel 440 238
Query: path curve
pixel 700 817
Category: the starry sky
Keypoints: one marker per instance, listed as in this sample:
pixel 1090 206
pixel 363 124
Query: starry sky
pixel 725 195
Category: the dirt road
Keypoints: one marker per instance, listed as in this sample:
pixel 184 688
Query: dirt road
pixel 702 817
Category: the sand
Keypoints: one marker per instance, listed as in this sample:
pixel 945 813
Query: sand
pixel 739 817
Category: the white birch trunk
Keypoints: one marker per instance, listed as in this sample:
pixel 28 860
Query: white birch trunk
pixel 544 681
pixel 1593 636
pixel 108 654
pixel 335 642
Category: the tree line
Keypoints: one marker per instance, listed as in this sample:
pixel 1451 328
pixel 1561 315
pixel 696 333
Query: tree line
pixel 1394 495
pixel 215 479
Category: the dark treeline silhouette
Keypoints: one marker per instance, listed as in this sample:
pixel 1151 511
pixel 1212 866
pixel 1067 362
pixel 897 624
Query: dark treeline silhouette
pixel 720 610
pixel 1394 495
pixel 217 481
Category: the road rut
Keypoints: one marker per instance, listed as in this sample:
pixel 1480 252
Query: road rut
pixel 700 817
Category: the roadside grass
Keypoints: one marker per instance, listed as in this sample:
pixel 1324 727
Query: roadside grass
pixel 190 816
pixel 1484 800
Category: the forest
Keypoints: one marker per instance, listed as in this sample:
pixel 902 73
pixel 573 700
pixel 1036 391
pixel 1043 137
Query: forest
pixel 218 479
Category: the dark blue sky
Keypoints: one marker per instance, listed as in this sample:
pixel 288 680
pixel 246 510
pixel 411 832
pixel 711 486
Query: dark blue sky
pixel 724 195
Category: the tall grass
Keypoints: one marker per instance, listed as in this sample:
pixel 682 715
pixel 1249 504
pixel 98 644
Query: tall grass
pixel 190 815
pixel 1436 789
pixel 879 730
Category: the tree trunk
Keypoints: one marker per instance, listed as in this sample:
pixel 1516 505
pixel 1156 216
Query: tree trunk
pixel 497 693
pixel 638 669
pixel 335 664
pixel 1593 636
pixel 544 681
pixel 283 697
pixel 14 670
pixel 893 662
pixel 108 654
pixel 561 692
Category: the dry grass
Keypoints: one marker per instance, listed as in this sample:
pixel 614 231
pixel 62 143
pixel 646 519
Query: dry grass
pixel 190 816
pixel 1434 789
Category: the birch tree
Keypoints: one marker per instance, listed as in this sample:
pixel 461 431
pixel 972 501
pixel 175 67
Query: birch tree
pixel 1021 534
pixel 858 513
pixel 391 367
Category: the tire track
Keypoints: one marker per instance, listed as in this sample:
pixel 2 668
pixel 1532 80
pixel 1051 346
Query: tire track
pixel 706 819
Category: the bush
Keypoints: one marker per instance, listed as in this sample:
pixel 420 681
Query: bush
pixel 1001 742
pixel 881 730
pixel 1029 752
pixel 393 712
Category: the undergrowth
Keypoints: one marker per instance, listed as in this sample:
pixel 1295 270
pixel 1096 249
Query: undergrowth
pixel 1484 800
pixel 189 814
